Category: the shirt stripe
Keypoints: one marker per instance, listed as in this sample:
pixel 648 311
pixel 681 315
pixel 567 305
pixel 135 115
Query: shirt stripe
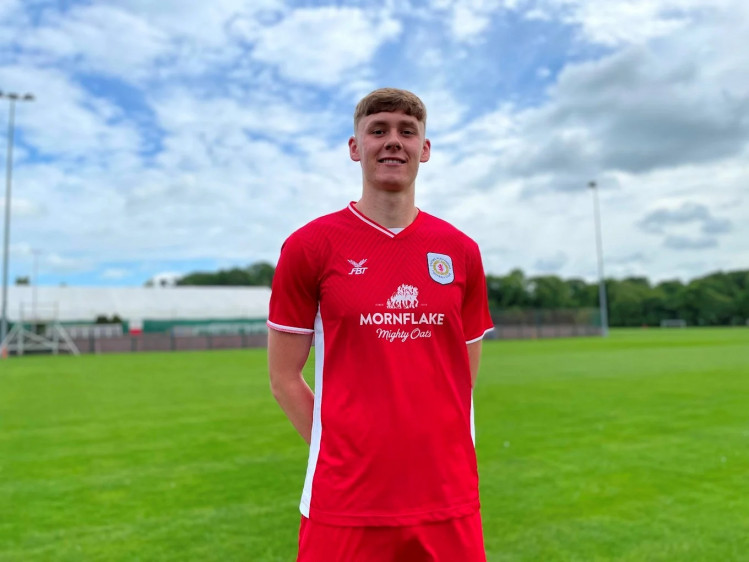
pixel 481 337
pixel 370 222
pixel 314 447
pixel 290 329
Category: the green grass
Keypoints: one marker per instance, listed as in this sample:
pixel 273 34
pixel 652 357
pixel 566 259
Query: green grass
pixel 635 448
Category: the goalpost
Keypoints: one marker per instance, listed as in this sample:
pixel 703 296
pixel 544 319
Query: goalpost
pixel 673 323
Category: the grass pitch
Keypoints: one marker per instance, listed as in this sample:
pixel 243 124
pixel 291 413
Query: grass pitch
pixel 634 448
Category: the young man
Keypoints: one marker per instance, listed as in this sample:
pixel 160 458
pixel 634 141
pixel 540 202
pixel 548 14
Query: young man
pixel 396 301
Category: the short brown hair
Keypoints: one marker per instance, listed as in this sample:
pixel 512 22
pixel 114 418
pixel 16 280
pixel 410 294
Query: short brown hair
pixel 390 99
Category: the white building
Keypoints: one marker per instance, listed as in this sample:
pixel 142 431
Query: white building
pixel 136 305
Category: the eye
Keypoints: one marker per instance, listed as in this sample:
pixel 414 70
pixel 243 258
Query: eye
pixel 409 132
pixel 377 131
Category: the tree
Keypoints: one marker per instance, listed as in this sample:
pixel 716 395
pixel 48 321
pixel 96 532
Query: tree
pixel 261 273
pixel 508 291
pixel 257 274
pixel 549 291
pixel 582 294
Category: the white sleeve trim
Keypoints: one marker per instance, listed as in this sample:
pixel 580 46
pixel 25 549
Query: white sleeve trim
pixel 290 329
pixel 481 337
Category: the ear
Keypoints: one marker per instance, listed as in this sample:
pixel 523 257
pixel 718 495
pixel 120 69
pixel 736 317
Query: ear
pixel 353 150
pixel 426 151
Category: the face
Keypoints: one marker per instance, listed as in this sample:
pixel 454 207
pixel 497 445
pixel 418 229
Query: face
pixel 390 146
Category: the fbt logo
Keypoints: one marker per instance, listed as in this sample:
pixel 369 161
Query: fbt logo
pixel 358 268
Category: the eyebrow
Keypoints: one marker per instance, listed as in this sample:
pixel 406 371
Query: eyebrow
pixel 408 122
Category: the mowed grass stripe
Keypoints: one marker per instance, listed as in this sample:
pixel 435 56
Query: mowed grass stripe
pixel 125 448
pixel 630 448
pixel 616 447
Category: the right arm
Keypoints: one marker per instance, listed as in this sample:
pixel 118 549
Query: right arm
pixel 287 354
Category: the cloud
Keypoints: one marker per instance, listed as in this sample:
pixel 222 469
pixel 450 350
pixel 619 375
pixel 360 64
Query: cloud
pixel 21 207
pixel 470 19
pixel 336 42
pixel 716 226
pixel 551 264
pixel 686 243
pixel 56 263
pixel 622 22
pixel 67 121
pixel 633 111
pixel 629 259
pixel 94 38
pixel 210 24
pixel 656 221
pixel 208 132
pixel 115 273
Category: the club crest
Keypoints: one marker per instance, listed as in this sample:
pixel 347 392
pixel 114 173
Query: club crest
pixel 440 268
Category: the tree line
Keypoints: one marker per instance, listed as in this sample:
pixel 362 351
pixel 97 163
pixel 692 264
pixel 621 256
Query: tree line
pixel 717 299
pixel 258 274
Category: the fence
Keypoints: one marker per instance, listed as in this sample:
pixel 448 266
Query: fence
pixel 509 324
pixel 169 342
pixel 537 324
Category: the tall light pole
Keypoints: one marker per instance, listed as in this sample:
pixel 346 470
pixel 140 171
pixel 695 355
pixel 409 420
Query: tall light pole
pixel 35 283
pixel 12 99
pixel 599 247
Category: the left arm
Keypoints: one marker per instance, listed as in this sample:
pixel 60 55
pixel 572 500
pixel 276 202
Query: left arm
pixel 474 356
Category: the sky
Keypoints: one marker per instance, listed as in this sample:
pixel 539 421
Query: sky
pixel 178 136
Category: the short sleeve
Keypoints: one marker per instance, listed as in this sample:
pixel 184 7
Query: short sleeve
pixel 476 318
pixel 294 292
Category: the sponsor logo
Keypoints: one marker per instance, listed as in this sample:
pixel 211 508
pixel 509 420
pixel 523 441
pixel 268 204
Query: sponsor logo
pixel 403 322
pixel 357 269
pixel 402 335
pixel 406 296
pixel 402 319
pixel 440 268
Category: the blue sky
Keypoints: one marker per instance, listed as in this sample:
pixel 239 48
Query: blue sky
pixel 174 136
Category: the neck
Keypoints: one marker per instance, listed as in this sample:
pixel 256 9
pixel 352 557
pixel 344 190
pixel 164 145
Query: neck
pixel 389 209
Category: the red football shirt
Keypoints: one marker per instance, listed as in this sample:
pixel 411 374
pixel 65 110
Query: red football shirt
pixel 392 433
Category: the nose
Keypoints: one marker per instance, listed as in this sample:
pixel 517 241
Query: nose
pixel 393 144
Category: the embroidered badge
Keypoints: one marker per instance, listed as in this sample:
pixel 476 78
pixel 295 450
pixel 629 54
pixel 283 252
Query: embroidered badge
pixel 441 268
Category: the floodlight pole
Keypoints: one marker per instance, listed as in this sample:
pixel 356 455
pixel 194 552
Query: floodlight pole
pixel 599 247
pixel 35 283
pixel 12 99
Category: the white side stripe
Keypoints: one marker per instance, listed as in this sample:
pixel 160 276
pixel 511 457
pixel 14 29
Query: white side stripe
pixel 314 447
pixel 473 423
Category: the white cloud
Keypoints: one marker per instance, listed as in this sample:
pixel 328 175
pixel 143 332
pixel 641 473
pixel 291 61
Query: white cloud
pixel 322 45
pixel 205 23
pixel 468 23
pixel 21 207
pixel 619 22
pixel 96 38
pixel 115 273
pixel 56 263
pixel 64 120
pixel 243 112
pixel 451 112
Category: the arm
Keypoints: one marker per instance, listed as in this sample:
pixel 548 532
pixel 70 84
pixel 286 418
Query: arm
pixel 474 356
pixel 287 354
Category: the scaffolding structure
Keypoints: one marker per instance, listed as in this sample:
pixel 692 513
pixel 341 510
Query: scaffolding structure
pixel 38 330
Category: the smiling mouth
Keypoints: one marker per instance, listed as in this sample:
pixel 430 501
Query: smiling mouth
pixel 390 161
